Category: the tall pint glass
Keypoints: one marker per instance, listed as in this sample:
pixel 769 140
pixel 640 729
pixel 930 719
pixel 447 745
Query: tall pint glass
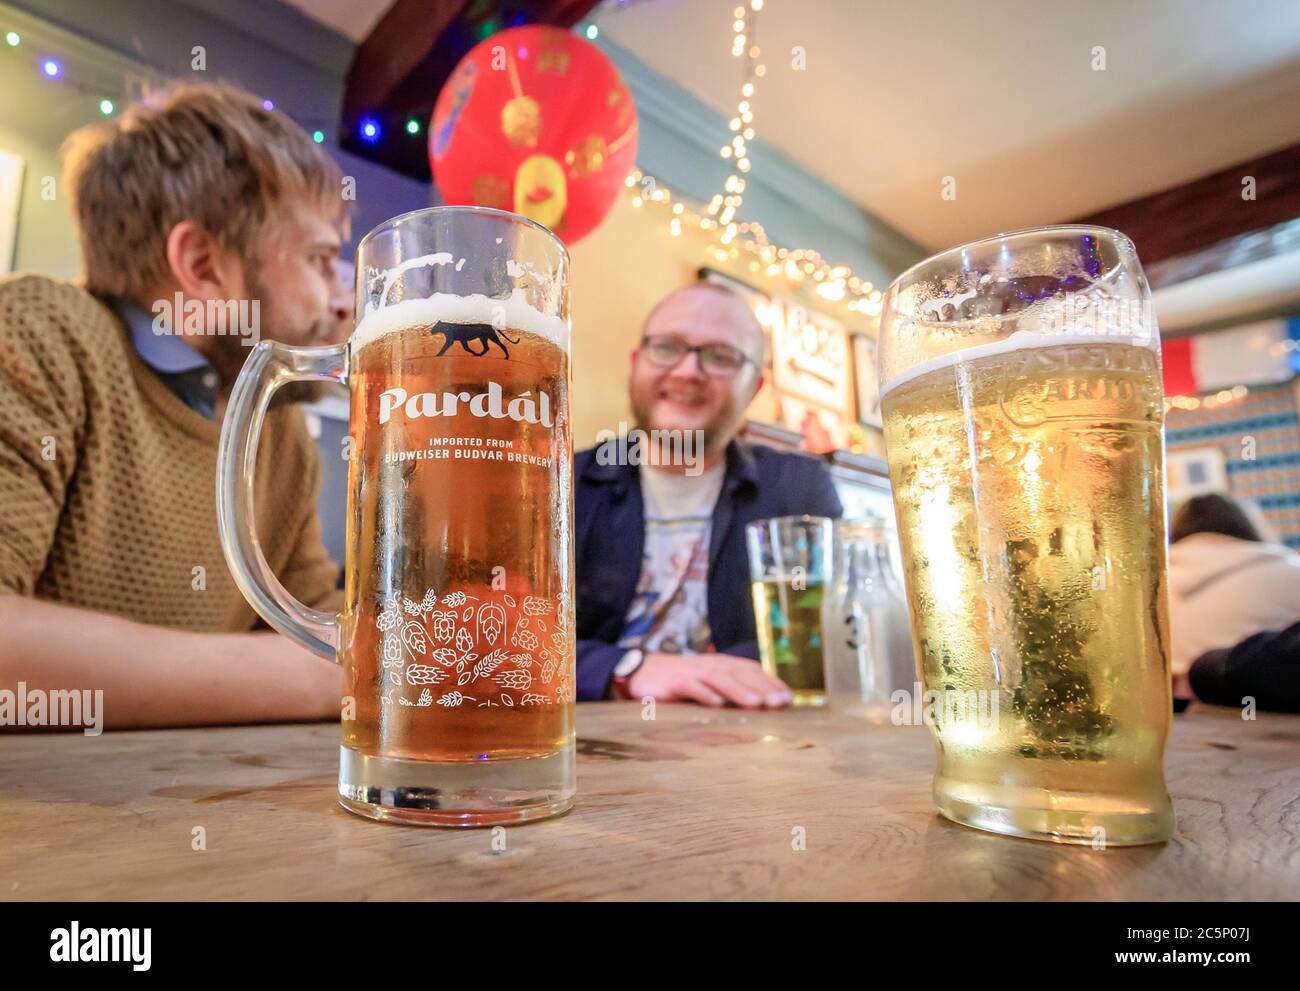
pixel 456 633
pixel 1021 392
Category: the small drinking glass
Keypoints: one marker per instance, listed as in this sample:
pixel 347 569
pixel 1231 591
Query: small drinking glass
pixel 789 566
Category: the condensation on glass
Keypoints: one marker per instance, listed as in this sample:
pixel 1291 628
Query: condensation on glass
pixel 1021 394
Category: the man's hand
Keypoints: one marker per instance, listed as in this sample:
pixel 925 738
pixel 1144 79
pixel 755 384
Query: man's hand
pixel 307 685
pixel 152 676
pixel 710 679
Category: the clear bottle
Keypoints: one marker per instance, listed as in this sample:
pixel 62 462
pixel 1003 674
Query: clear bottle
pixel 868 640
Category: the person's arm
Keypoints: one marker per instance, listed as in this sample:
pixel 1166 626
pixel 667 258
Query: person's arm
pixel 310 575
pixel 150 676
pixel 818 497
pixel 710 679
pixel 596 661
pixel 42 421
pixel 743 648
pixel 1265 667
pixel 153 676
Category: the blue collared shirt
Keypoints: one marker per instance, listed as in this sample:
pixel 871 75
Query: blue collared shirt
pixel 182 369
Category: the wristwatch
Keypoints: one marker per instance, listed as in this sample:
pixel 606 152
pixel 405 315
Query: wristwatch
pixel 627 666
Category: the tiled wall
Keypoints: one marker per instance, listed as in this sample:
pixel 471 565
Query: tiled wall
pixel 1271 479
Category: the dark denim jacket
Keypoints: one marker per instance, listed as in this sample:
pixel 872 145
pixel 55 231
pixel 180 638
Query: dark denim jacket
pixel 760 482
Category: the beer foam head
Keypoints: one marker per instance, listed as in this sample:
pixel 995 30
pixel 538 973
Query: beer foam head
pixel 944 329
pixel 516 311
pixel 1018 341
pixel 1026 289
pixel 513 311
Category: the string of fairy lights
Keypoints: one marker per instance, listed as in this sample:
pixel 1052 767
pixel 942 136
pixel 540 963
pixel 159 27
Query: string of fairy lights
pixel 718 219
pixel 52 68
pixel 1224 397
pixel 1227 397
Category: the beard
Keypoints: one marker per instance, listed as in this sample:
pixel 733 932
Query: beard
pixel 306 392
pixel 228 357
pixel 715 433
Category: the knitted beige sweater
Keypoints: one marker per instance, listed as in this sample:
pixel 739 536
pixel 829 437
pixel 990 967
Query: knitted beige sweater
pixel 108 480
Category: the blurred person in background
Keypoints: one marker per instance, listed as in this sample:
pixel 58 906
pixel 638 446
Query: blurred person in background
pixel 1226 583
pixel 1263 670
pixel 663 591
pixel 196 210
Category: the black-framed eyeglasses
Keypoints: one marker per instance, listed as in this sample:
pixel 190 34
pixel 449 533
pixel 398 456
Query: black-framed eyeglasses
pixel 717 360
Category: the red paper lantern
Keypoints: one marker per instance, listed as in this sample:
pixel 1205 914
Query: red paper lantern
pixel 538 121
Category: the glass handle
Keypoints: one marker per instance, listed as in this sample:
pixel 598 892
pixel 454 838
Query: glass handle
pixel 270 366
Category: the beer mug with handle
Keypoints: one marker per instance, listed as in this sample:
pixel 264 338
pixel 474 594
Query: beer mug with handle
pixel 1021 392
pixel 456 633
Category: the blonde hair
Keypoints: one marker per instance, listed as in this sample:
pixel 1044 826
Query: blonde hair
pixel 207 153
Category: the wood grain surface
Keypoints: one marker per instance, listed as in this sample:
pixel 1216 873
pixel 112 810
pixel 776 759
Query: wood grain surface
pixel 694 804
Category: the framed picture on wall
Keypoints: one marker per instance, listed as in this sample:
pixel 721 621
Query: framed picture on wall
pixel 1195 471
pixel 823 430
pixel 11 188
pixel 810 359
pixel 864 380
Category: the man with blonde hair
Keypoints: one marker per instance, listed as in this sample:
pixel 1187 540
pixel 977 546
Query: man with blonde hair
pixel 205 222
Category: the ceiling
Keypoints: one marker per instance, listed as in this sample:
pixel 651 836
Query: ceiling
pixel 1000 95
pixel 351 18
pixel 405 51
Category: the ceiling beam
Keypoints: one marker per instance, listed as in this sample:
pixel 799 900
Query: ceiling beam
pixel 402 65
pixel 1211 209
pixel 398 42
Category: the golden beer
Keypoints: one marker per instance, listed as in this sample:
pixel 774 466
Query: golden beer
pixel 456 633
pixel 455 611
pixel 789 623
pixel 1028 483
pixel 789 565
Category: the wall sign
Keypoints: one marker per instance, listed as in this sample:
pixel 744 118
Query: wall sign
pixel 864 376
pixel 812 368
pixel 810 357
pixel 11 188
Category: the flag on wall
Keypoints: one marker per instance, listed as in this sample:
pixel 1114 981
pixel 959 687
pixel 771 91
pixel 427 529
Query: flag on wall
pixel 1253 354
pixel 1176 359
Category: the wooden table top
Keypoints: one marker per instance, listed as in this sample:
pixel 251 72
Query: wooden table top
pixel 696 804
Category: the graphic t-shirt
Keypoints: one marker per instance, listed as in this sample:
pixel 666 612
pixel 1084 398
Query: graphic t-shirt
pixel 670 611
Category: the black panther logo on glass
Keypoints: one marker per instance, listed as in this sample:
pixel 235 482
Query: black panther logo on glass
pixel 468 333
